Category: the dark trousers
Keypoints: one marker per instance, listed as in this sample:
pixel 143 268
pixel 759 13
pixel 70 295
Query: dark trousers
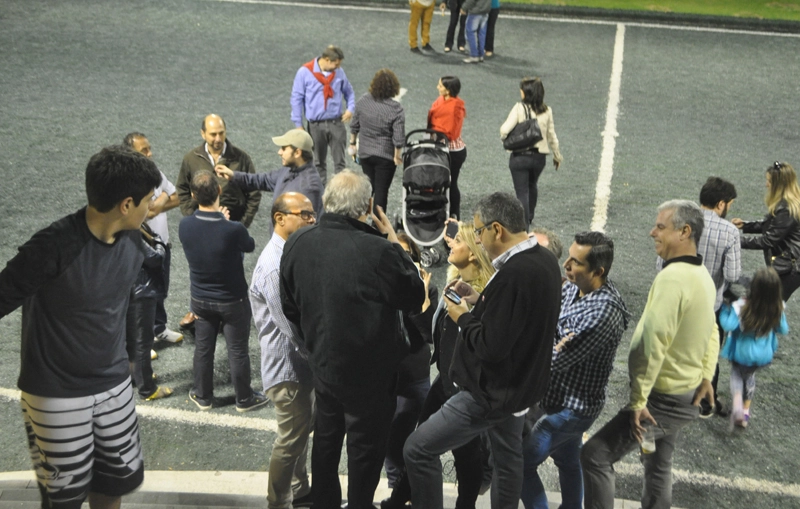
pixel 234 318
pixel 790 283
pixel 457 159
pixel 614 440
pixel 715 380
pixel 364 414
pixel 526 168
pixel 490 29
pixel 140 338
pixel 410 398
pixel 330 134
pixel 455 20
pixel 380 172
pixel 461 420
pixel 468 462
pixel 161 311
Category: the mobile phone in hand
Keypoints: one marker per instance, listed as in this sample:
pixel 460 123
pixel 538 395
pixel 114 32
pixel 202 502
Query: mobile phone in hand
pixel 452 230
pixel 452 295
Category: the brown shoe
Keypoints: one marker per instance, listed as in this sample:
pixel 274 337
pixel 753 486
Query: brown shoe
pixel 188 320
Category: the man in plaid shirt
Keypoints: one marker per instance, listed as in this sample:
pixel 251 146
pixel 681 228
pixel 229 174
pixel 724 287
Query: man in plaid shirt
pixel 590 326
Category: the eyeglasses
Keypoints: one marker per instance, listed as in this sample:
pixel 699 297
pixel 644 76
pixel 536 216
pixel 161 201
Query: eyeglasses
pixel 478 231
pixel 305 215
pixel 776 166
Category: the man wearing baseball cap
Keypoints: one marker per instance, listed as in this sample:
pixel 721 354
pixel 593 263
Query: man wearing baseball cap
pixel 298 173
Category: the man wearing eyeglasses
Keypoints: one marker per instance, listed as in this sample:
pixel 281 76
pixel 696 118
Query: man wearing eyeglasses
pixel 298 173
pixel 284 366
pixel 501 360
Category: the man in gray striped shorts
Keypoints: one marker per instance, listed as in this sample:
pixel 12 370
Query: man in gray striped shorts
pixel 73 280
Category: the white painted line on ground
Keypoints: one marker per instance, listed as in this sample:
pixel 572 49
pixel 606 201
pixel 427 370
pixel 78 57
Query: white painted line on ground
pixel 716 481
pixel 398 10
pixel 174 415
pixel 629 469
pixel 602 192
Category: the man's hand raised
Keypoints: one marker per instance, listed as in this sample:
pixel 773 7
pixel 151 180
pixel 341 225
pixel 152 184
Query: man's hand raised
pixel 223 171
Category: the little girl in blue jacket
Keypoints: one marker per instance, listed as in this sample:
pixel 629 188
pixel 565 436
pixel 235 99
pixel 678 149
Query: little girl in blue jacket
pixel 752 325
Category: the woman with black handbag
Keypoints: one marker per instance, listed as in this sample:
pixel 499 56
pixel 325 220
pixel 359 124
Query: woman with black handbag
pixel 527 163
pixel 780 230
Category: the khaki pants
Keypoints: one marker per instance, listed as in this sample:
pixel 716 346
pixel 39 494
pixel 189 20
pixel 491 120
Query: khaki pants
pixel 420 12
pixel 294 411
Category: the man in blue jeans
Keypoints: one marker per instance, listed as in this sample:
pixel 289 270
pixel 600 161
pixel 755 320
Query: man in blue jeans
pixel 214 248
pixel 477 13
pixel 590 326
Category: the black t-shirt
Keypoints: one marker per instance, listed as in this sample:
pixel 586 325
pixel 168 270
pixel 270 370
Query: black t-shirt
pixel 74 291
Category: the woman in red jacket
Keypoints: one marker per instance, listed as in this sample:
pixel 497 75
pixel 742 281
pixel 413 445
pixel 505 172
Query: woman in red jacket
pixel 447 116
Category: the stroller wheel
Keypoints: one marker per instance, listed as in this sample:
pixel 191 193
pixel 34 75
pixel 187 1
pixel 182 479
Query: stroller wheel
pixel 428 257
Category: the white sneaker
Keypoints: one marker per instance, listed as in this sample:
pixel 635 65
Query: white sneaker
pixel 473 60
pixel 170 336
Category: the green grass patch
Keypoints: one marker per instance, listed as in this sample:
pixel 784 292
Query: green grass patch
pixel 788 10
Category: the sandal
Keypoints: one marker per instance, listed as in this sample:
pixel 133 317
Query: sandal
pixel 161 392
pixel 447 49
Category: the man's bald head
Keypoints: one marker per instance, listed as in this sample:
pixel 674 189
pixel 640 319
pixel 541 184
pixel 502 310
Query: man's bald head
pixel 290 212
pixel 213 132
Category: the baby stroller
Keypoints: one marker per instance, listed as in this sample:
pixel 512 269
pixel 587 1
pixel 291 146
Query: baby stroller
pixel 426 184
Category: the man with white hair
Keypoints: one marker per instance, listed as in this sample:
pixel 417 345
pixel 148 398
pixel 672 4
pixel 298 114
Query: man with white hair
pixel 672 358
pixel 343 285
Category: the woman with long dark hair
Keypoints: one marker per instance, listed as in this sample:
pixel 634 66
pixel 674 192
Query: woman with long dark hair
pixel 379 125
pixel 779 232
pixel 527 164
pixel 447 116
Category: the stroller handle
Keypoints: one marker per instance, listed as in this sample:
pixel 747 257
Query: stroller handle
pixel 438 136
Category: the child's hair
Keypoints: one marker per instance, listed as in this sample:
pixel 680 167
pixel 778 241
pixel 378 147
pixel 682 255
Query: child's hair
pixel 762 311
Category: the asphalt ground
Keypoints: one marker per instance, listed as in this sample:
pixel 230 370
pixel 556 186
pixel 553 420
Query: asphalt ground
pixel 80 75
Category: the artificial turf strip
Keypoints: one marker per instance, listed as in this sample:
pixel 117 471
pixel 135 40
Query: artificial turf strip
pixel 693 104
pixel 788 10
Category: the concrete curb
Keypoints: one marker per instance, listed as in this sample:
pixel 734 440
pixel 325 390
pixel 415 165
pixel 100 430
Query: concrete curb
pixel 192 485
pixel 591 13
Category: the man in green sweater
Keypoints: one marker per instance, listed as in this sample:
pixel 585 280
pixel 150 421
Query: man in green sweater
pixel 671 363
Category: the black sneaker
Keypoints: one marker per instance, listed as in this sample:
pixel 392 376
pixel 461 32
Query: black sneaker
pixel 720 410
pixel 428 47
pixel 416 50
pixel 256 400
pixel 202 404
pixel 391 503
pixel 304 501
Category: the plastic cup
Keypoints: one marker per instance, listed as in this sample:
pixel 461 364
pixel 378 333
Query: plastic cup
pixel 649 440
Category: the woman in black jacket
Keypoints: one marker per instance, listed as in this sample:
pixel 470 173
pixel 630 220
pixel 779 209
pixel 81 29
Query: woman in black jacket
pixel 468 262
pixel 780 230
pixel 140 320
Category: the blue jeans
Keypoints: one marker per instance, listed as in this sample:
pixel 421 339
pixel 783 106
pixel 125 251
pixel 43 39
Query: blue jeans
pixel 560 436
pixel 234 319
pixel 460 420
pixel 476 33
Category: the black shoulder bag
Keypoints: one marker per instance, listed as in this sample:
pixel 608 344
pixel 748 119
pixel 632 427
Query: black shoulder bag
pixel 525 135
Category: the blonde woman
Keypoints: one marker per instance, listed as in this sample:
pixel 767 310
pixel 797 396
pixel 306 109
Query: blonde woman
pixel 469 263
pixel 528 164
pixel 780 230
